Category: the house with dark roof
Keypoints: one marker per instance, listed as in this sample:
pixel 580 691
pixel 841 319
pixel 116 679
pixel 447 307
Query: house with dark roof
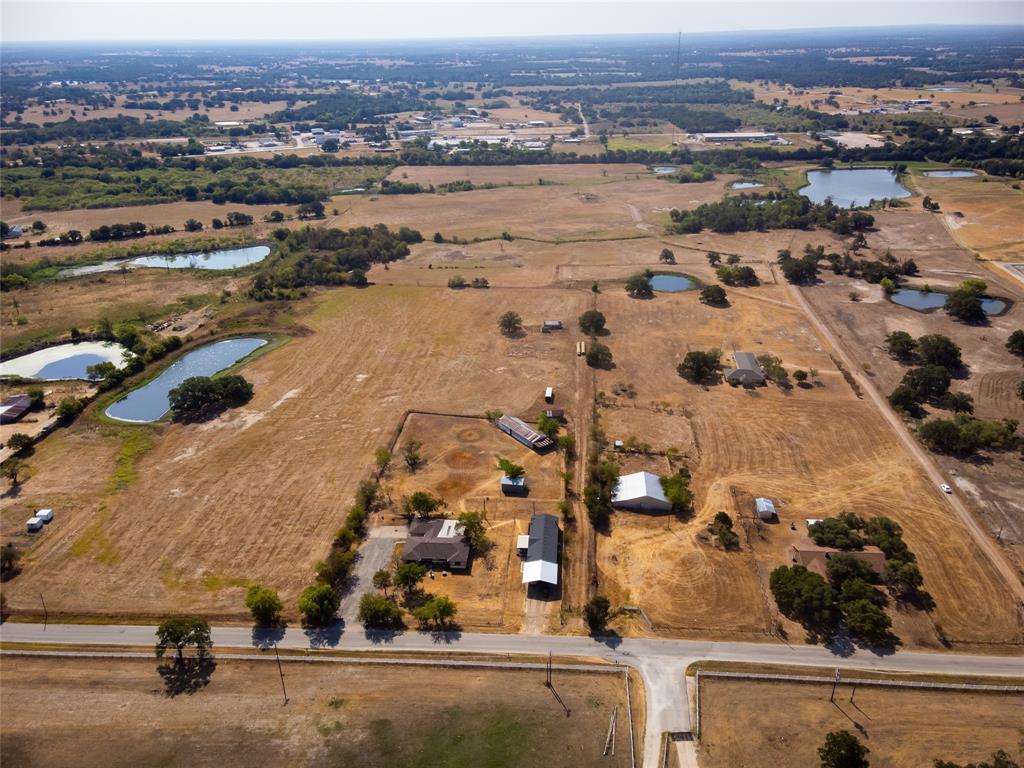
pixel 815 558
pixel 748 371
pixel 13 408
pixel 542 546
pixel 437 543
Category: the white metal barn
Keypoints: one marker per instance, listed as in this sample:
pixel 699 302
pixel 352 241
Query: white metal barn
pixel 641 490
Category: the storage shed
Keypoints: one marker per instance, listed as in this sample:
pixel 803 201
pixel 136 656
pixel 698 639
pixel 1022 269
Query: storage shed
pixel 526 435
pixel 549 395
pixel 764 509
pixel 641 490
pixel 33 525
pixel 514 486
pixel 46 515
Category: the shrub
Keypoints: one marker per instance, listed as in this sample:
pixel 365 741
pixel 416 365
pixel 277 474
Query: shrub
pixel 599 356
pixel 700 367
pixel 264 604
pixel 318 603
pixel 592 322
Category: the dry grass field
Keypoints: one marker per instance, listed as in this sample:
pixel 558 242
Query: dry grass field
pixel 992 483
pixel 247 111
pixel 59 712
pixel 817 451
pixel 183 517
pixel 982 213
pixel 785 723
pixel 278 474
pixel 972 103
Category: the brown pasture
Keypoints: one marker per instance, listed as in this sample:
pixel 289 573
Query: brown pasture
pixel 279 473
pixel 816 451
pixel 990 484
pixel 336 714
pixel 785 723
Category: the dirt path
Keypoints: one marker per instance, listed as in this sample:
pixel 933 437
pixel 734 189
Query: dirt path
pixel 980 536
pixel 586 125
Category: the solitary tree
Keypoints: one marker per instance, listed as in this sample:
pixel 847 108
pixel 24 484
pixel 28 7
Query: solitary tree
pixel 510 324
pixel 439 611
pixel 595 612
pixel 9 558
pixel 1015 342
pixel 714 258
pixel 382 580
pixel 472 524
pixel 698 366
pixel 12 471
pixel 264 604
pixel 179 633
pixel 599 356
pixel 843 750
pixel 382 457
pixel 318 603
pixel 667 257
pixel 713 295
pixel 379 611
pixel 592 322
pixel 901 345
pixel 409 575
pixel 512 471
pixel 18 442
pixel 639 287
pixel 423 504
pixel 411 454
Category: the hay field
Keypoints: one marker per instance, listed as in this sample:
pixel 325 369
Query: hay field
pixel 615 209
pixel 817 451
pixel 336 715
pixel 785 723
pixel 278 475
pixel 982 213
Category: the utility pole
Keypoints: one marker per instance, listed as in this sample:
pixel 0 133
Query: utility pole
pixel 547 683
pixel 280 671
pixel 46 616
pixel 832 698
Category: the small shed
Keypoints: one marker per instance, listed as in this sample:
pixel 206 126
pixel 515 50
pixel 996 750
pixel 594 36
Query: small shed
pixel 523 543
pixel 33 524
pixel 46 515
pixel 764 509
pixel 549 395
pixel 551 325
pixel 555 413
pixel 514 486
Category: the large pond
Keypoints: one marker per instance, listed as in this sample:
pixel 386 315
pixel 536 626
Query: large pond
pixel 950 174
pixel 671 283
pixel 662 169
pixel 151 402
pixel 853 186
pixel 64 361
pixel 923 301
pixel 745 185
pixel 231 258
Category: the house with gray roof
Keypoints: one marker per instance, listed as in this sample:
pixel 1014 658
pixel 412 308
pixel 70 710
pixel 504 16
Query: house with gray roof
pixel 748 371
pixel 542 545
pixel 437 543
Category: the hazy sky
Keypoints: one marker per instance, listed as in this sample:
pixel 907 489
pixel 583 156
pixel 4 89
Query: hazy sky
pixel 36 20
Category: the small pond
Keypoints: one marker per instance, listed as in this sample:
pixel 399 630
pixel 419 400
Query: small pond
pixel 150 402
pixel 662 169
pixel 745 185
pixel 231 258
pixel 923 301
pixel 853 186
pixel 671 283
pixel 947 89
pixel 64 361
pixel 950 174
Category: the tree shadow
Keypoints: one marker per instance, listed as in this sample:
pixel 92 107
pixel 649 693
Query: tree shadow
pixel 383 635
pixel 12 492
pixel 267 637
pixel 325 637
pixel 450 633
pixel 885 645
pixel 609 638
pixel 187 675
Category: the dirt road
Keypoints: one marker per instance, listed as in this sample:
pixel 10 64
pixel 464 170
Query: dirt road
pixel 989 547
